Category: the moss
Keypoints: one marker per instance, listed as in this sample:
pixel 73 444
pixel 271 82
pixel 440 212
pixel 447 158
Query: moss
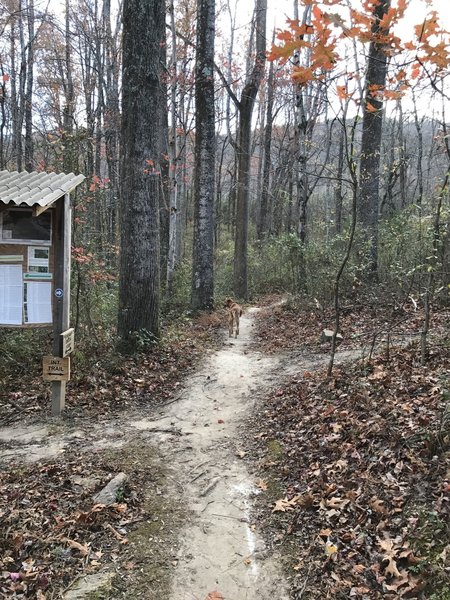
pixel 275 450
pixel 149 559
pixel 101 594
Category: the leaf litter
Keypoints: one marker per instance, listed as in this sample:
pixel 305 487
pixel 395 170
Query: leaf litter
pixel 104 382
pixel 359 469
pixel 53 531
pixel 361 464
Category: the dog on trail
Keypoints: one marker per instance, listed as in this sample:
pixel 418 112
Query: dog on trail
pixel 234 312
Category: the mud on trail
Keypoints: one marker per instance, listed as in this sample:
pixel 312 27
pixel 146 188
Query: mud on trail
pixel 200 439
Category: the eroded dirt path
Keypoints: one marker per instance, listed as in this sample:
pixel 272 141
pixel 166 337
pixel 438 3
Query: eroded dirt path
pixel 220 550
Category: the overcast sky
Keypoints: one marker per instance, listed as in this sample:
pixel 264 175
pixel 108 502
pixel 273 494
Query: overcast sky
pixel 279 10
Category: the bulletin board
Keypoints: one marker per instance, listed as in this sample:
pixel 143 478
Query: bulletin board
pixel 11 294
pixel 26 273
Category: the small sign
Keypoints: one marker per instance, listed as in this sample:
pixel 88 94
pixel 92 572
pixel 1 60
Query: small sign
pixel 8 258
pixel 31 276
pixel 59 293
pixel 55 368
pixel 68 341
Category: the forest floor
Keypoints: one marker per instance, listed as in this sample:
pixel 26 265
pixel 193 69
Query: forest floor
pixel 252 477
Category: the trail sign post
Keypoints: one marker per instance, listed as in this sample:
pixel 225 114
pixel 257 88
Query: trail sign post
pixel 68 341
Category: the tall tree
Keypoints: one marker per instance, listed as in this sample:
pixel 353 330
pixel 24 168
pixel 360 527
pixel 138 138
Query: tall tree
pixel 142 118
pixel 173 159
pixel 203 251
pixel 371 133
pixel 262 221
pixel 112 115
pixel 28 109
pixel 245 107
pixel 69 99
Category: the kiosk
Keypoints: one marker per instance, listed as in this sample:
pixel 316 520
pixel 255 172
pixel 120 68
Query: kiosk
pixel 35 251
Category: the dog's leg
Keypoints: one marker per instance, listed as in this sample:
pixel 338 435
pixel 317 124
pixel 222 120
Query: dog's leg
pixel 236 315
pixel 230 324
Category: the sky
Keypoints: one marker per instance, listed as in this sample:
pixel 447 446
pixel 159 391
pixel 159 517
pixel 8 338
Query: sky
pixel 280 10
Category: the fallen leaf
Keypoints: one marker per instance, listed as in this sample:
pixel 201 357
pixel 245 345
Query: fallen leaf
pixel 378 506
pixel 283 504
pixel 358 569
pixel 391 569
pixel 335 502
pixel 359 591
pixel 214 596
pixel 83 549
pixel 298 566
pixel 330 548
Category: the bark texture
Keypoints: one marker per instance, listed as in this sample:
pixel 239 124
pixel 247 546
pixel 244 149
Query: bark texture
pixel 371 135
pixel 262 223
pixel 203 250
pixel 142 101
pixel 246 104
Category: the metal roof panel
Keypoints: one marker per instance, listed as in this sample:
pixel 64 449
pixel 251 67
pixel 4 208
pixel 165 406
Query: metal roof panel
pixel 36 188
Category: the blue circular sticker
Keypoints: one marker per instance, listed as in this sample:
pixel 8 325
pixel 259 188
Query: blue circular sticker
pixel 59 293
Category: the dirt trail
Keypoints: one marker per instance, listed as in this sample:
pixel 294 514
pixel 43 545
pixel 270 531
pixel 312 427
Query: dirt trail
pixel 220 551
pixel 200 436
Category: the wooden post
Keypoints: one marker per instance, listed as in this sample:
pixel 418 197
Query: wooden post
pixel 61 291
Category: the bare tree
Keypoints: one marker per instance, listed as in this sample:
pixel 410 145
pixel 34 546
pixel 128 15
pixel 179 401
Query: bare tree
pixel 202 268
pixel 173 159
pixel 371 135
pixel 245 108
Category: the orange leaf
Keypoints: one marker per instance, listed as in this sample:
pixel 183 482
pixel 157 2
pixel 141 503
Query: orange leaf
pixel 342 92
pixel 415 71
pixel 214 596
pixel 392 94
pixel 302 75
pixel 370 107
pixel 318 14
pixel 283 52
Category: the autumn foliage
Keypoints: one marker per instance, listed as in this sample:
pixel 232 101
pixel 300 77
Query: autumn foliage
pixel 327 36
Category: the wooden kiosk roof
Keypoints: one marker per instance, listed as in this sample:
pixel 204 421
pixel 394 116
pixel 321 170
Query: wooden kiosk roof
pixel 39 190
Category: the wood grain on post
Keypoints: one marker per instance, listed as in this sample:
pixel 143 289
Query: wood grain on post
pixel 61 292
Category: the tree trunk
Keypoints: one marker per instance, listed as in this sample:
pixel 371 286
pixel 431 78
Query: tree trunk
pixel 29 90
pixel 142 111
pixel 262 221
pixel 371 136
pixel 246 104
pixel 69 157
pixel 203 249
pixel 338 193
pixel 111 122
pixel 173 162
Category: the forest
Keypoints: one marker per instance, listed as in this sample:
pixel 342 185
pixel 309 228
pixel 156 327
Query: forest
pixel 293 157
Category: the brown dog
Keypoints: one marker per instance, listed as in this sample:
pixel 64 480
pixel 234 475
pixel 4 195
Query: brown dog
pixel 234 312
